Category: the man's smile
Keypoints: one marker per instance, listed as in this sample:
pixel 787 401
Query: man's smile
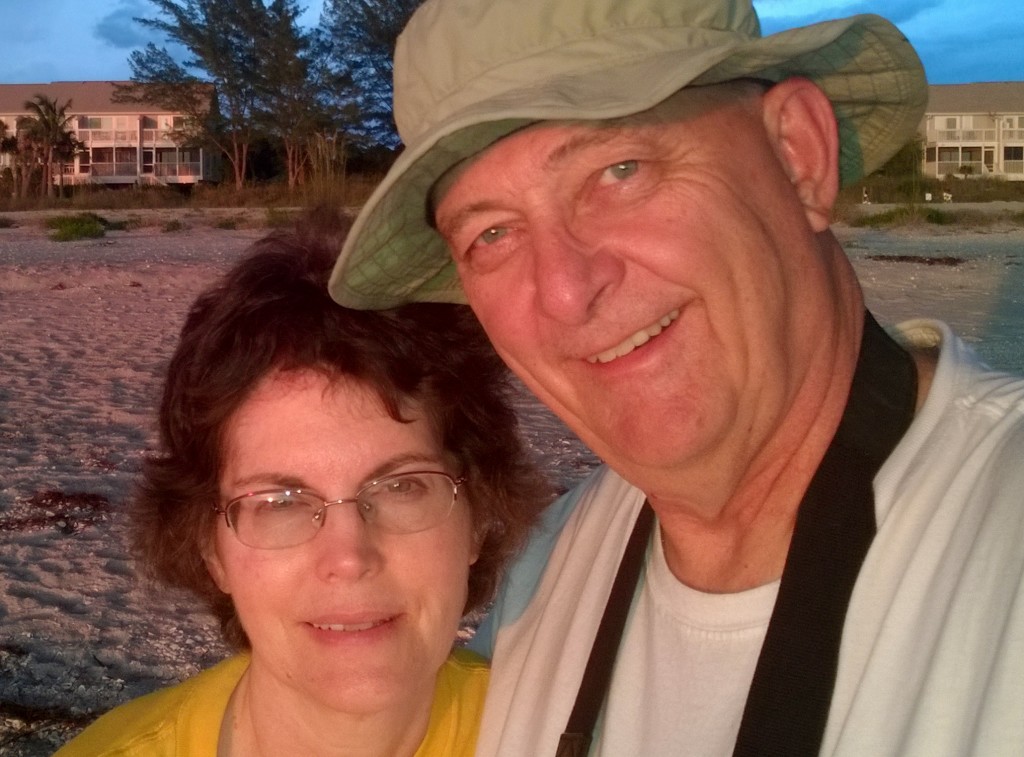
pixel 630 343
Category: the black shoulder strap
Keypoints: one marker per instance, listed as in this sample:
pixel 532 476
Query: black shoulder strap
pixel 575 742
pixel 788 704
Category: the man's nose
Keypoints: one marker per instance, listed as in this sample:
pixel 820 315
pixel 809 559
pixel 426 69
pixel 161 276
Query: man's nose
pixel 574 269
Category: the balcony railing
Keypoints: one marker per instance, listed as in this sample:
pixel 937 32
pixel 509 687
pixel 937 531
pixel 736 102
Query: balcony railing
pixel 974 167
pixel 115 169
pixel 1013 167
pixel 962 135
pixel 123 137
pixel 165 170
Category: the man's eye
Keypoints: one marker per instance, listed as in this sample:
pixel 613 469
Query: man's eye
pixel 621 170
pixel 492 235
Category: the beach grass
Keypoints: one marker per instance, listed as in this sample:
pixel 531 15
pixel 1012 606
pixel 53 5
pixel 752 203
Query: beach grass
pixel 82 226
pixel 349 191
pixel 915 215
pixel 279 218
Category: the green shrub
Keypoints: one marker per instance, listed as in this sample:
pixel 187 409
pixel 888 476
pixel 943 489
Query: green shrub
pixel 938 217
pixel 893 217
pixel 7 223
pixel 81 226
pixel 226 223
pixel 278 218
pixel 173 225
pixel 57 222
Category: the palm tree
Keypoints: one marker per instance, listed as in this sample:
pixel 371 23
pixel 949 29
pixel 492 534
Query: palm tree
pixel 26 157
pixel 7 147
pixel 48 127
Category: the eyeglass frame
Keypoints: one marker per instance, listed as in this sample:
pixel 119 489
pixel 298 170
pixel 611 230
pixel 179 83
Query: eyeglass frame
pixel 319 515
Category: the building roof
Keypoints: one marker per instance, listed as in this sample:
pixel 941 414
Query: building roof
pixel 1000 97
pixel 87 98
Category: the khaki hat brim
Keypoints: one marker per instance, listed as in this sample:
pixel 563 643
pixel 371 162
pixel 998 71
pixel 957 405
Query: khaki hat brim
pixel 863 64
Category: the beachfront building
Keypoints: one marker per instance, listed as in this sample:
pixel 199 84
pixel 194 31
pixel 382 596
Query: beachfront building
pixel 123 143
pixel 975 130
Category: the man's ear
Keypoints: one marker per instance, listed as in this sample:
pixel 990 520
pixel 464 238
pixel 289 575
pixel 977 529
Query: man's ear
pixel 802 128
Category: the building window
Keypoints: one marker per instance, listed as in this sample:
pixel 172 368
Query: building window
pixel 148 122
pixel 929 155
pixel 1013 153
pixel 91 122
pixel 951 123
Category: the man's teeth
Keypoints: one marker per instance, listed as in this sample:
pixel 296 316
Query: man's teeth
pixel 351 627
pixel 631 343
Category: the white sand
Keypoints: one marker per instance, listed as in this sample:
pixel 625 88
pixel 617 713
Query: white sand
pixel 85 330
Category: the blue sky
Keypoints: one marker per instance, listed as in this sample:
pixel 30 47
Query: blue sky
pixel 959 40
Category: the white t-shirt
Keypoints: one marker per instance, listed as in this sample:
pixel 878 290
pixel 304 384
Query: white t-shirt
pixel 696 650
pixel 932 657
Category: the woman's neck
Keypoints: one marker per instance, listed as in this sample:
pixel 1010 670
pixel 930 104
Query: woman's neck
pixel 265 719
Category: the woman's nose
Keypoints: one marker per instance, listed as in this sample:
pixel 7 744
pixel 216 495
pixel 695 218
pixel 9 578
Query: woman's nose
pixel 346 547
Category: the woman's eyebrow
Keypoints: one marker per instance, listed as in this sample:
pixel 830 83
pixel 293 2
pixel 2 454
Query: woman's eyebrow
pixel 389 465
pixel 290 481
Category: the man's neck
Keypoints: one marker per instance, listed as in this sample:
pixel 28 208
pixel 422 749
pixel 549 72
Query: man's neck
pixel 742 540
pixel 747 544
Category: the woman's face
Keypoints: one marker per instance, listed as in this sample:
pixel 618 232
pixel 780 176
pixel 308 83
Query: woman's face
pixel 354 619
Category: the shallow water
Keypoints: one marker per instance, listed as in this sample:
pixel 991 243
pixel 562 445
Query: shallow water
pixel 982 297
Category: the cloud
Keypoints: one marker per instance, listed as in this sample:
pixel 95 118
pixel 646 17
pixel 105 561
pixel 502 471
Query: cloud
pixel 119 29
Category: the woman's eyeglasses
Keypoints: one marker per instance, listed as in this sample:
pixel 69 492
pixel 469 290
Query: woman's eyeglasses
pixel 403 503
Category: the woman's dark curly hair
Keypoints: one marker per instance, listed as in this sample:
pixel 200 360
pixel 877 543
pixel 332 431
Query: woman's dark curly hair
pixel 271 311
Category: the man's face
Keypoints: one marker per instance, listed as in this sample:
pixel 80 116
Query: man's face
pixel 650 283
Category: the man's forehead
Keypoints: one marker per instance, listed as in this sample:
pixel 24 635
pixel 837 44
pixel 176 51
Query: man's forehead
pixel 575 136
pixel 686 104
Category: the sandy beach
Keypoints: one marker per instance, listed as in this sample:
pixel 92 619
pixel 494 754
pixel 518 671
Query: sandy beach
pixel 86 328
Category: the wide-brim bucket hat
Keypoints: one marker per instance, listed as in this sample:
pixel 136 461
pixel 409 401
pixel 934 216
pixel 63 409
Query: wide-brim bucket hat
pixel 469 72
